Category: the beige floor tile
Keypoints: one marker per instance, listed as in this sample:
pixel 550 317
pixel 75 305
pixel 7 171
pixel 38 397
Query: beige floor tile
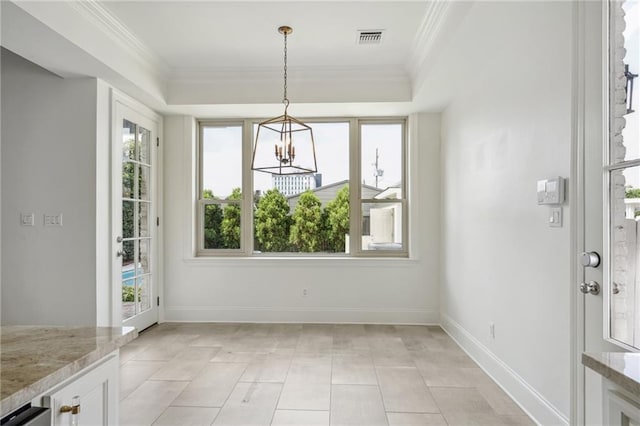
pixel 404 391
pixel 144 405
pixel 353 370
pixel 305 396
pixel 300 418
pixel 187 416
pixel 357 405
pixel 501 403
pixel 227 355
pixel 523 420
pixel 415 419
pixel 437 376
pixel 164 348
pixel 212 386
pixel 465 407
pixel 186 364
pixel 250 404
pixel 130 350
pixel 135 373
pixel 310 369
pixel 271 368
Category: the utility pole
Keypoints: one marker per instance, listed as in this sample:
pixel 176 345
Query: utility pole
pixel 377 171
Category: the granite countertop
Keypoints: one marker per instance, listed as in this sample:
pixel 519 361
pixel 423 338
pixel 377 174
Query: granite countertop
pixel 34 359
pixel 622 368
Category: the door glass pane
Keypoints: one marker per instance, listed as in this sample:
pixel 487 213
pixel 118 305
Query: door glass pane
pixel 144 176
pixel 625 238
pixel 144 138
pixel 128 180
pixel 128 248
pixel 128 212
pixel 128 294
pixel 143 257
pixel 144 292
pixel 143 219
pixel 128 140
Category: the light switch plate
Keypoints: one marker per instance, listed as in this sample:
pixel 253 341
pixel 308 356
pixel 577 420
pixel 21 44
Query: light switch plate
pixel 27 219
pixel 555 217
pixel 53 219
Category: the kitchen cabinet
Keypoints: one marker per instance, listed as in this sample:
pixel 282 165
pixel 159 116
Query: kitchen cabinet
pixel 96 389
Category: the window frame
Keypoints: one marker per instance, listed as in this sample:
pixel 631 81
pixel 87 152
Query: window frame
pixel 247 231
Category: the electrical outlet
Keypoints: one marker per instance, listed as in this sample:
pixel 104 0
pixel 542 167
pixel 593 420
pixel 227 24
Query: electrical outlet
pixel 305 292
pixel 492 330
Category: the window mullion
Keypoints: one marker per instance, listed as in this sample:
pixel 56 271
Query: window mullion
pixel 355 231
pixel 246 227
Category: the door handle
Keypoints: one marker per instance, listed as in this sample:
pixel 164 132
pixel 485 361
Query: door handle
pixel 120 253
pixel 590 287
pixel 590 259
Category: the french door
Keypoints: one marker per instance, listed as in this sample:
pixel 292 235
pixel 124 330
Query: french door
pixel 134 157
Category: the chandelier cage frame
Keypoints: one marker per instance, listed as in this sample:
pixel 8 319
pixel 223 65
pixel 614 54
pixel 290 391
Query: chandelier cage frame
pixel 286 127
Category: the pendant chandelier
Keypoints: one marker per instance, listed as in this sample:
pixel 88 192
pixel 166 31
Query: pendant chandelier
pixel 284 145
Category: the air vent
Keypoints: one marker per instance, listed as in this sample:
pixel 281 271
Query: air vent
pixel 369 36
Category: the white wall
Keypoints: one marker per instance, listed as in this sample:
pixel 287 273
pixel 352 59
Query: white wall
pixel 267 289
pixel 48 166
pixel 508 125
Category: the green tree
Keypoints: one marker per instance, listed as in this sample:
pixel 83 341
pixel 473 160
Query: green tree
pixel 337 220
pixel 272 221
pixel 306 229
pixel 230 226
pixel 212 222
pixel 632 193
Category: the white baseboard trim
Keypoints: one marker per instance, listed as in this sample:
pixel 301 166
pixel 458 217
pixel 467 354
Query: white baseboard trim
pixel 300 315
pixel 534 404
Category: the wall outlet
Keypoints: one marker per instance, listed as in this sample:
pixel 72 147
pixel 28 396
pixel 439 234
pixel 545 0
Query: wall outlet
pixel 53 219
pixel 492 330
pixel 305 292
pixel 27 219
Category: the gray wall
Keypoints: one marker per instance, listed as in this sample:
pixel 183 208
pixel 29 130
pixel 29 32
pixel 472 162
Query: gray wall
pixel 48 166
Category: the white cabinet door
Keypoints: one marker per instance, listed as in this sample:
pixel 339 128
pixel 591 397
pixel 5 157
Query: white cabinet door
pixel 97 389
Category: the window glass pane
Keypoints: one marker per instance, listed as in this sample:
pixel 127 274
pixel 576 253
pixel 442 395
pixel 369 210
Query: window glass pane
pixel 143 257
pixel 222 224
pixel 384 223
pixel 221 161
pixel 144 292
pixel 625 233
pixel 128 140
pixel 128 249
pixel 381 157
pixel 144 176
pixel 128 298
pixel 143 219
pixel 628 146
pixel 305 212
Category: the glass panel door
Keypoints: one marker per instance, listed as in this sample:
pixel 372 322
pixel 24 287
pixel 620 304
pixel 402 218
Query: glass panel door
pixel 136 276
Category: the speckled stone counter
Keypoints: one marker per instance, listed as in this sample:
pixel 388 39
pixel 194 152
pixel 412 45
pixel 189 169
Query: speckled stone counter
pixel 621 368
pixel 34 359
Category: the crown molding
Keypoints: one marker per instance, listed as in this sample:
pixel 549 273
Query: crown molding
pixel 103 20
pixel 426 35
pixel 373 72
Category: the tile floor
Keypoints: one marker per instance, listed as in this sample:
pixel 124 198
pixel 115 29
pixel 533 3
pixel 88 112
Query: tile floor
pixel 294 374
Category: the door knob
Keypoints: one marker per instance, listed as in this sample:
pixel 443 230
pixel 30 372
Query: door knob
pixel 120 253
pixel 590 287
pixel 590 259
pixel 118 239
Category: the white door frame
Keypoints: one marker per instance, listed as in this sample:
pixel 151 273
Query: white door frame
pixel 121 103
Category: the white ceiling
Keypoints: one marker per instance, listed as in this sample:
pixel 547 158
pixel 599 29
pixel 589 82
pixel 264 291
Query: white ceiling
pixel 224 58
pixel 228 35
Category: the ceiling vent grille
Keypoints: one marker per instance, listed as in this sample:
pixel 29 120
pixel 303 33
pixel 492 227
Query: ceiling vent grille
pixel 369 36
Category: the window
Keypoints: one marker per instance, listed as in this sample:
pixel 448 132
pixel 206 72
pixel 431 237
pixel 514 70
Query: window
pixel 244 212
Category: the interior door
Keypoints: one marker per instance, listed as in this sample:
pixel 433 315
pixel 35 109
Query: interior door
pixel 134 216
pixel 605 293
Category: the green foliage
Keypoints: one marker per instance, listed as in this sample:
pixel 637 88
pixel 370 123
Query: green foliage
pixel 307 223
pixel 230 226
pixel 272 222
pixel 128 293
pixel 632 193
pixel 336 215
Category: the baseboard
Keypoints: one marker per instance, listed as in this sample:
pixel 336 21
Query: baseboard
pixel 299 315
pixel 534 404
